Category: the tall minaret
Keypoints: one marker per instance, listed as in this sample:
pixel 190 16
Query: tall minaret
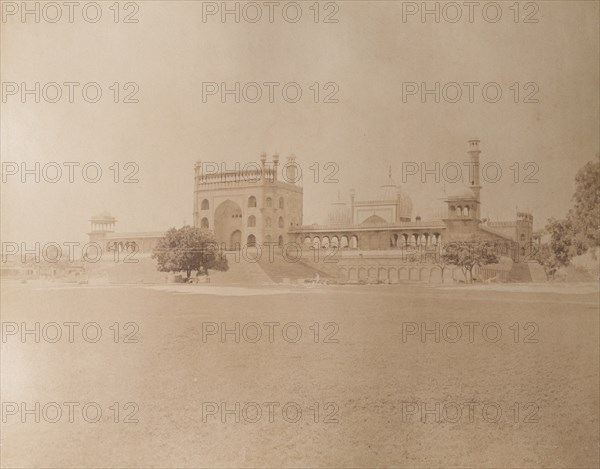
pixel 197 181
pixel 474 171
pixel 275 166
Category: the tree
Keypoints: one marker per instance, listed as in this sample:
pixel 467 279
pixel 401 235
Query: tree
pixel 564 241
pixel 189 249
pixel 468 254
pixel 580 230
pixel 585 215
pixel 545 256
pixel 442 263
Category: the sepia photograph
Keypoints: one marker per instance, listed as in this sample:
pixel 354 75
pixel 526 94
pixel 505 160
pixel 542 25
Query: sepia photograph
pixel 300 234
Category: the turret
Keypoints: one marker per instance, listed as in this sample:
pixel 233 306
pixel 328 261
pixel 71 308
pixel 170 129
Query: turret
pixel 101 225
pixel 275 166
pixel 197 176
pixel 352 197
pixel 474 172
pixel 291 171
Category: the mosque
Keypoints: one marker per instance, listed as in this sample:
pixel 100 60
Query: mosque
pixel 264 204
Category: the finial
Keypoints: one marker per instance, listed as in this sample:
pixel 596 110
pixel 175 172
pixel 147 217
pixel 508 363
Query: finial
pixel 390 172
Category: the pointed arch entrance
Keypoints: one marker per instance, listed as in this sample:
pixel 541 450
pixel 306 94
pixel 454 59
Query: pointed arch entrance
pixel 235 241
pixel 228 224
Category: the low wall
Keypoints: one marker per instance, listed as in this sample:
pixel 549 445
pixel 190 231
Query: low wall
pixel 386 267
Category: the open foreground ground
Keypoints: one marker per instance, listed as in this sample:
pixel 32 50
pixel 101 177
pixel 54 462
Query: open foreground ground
pixel 365 380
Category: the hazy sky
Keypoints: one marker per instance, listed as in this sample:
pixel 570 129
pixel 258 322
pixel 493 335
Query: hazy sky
pixel 369 53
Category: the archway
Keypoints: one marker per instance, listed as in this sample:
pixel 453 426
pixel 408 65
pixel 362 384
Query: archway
pixel 372 275
pixel 344 242
pixel 343 274
pixel 236 240
pixel 352 274
pixel 413 273
pixel 362 274
pixel 382 275
pixel 436 275
pixel 228 220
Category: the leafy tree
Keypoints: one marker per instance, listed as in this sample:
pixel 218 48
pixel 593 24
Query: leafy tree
pixel 468 254
pixel 564 241
pixel 442 263
pixel 548 260
pixel 189 249
pixel 580 230
pixel 585 215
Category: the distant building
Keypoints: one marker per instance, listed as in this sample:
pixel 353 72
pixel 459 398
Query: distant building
pixel 103 232
pixel 263 203
pixel 248 206
pixel 386 223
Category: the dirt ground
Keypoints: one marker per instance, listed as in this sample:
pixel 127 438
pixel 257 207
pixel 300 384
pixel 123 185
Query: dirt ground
pixel 374 378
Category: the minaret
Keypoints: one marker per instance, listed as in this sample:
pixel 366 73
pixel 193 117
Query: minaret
pixel 275 165
pixel 352 197
pixel 474 172
pixel 197 177
pixel 291 169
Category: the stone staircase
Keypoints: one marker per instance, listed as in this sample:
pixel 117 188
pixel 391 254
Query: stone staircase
pixel 519 272
pixel 241 272
pixel 530 271
pixel 537 272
